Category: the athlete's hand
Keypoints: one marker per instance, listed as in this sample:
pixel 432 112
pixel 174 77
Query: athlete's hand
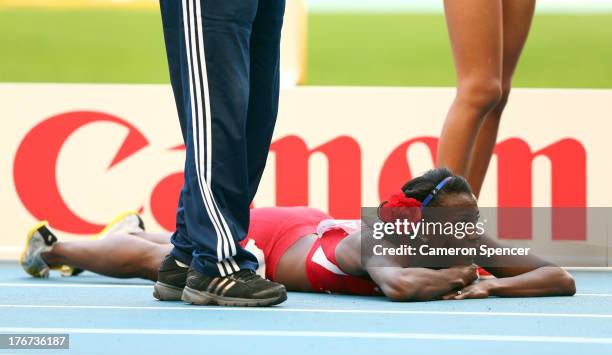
pixel 465 275
pixel 476 290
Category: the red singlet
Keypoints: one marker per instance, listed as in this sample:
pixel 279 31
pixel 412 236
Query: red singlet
pixel 274 230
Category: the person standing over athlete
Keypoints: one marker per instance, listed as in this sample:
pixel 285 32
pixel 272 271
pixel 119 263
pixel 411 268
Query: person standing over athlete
pixel 223 57
pixel 487 38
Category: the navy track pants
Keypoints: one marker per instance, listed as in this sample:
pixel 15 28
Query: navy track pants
pixel 223 57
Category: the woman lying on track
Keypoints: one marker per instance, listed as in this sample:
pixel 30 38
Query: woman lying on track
pixel 306 250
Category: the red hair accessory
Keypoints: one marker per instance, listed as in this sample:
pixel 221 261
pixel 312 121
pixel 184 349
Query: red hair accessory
pixel 400 207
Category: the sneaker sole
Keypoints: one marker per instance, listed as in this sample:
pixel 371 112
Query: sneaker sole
pixel 31 269
pixel 165 292
pixel 29 237
pixel 206 298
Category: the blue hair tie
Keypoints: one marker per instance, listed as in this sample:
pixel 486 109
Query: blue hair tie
pixel 435 191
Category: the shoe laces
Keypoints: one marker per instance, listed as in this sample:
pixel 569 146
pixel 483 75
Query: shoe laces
pixel 246 275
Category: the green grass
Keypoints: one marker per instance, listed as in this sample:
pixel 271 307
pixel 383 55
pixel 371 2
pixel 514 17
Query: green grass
pixel 414 50
pixel 81 46
pixel 343 49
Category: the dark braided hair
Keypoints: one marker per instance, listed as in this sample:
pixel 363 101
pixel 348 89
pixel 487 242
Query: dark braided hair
pixel 419 187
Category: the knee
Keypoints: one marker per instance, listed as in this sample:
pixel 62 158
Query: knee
pixel 483 94
pixel 496 112
pixel 505 94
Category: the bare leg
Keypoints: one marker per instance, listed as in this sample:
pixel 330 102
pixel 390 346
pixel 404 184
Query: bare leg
pixel 121 256
pixel 475 29
pixel 517 16
pixel 158 238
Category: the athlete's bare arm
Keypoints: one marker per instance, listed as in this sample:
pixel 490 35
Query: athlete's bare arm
pixel 518 276
pixel 399 283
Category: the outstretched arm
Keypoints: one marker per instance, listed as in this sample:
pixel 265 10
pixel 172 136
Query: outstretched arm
pixel 518 276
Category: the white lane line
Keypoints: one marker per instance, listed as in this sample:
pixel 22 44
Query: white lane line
pixel 75 285
pixel 69 285
pixel 315 310
pixel 319 334
pixel 593 294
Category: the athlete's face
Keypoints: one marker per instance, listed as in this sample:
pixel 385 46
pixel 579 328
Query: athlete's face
pixel 461 212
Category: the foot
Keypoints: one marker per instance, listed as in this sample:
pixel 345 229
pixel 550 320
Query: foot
pixel 40 240
pixel 125 223
pixel 171 279
pixel 242 289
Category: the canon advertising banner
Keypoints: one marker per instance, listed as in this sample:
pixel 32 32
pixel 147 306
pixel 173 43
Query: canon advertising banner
pixel 78 155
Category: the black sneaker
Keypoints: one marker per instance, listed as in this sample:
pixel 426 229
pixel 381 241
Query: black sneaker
pixel 242 289
pixel 170 280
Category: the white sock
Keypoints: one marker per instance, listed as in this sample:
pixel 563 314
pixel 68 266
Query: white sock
pixel 181 264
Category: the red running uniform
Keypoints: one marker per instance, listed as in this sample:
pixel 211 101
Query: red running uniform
pixel 274 230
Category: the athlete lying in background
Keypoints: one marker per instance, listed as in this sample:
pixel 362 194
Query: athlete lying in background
pixel 306 250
